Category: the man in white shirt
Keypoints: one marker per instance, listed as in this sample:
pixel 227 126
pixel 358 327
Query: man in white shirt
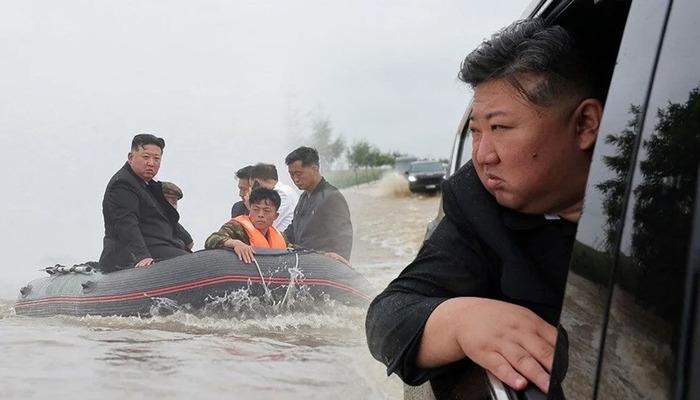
pixel 266 176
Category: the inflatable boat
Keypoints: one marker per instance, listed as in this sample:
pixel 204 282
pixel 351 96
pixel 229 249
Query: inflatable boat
pixel 191 280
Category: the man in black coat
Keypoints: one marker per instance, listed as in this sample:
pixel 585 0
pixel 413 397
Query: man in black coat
pixel 140 224
pixel 243 176
pixel 322 217
pixel 488 284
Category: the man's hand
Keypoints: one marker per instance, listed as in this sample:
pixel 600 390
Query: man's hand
pixel 144 263
pixel 244 252
pixel 510 341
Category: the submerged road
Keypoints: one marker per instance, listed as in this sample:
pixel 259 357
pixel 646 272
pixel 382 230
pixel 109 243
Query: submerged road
pixel 240 348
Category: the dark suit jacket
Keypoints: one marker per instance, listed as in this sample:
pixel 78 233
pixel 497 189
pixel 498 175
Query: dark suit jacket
pixel 480 249
pixel 322 221
pixel 238 208
pixel 139 223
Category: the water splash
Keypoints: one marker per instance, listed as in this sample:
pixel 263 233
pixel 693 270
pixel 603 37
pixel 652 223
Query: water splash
pixel 295 275
pixel 7 309
pixel 163 306
pixel 393 185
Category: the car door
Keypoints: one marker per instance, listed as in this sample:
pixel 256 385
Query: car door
pixel 624 301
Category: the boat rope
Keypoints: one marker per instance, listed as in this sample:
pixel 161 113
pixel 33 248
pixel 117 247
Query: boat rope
pixel 268 294
pixel 293 274
pixel 75 269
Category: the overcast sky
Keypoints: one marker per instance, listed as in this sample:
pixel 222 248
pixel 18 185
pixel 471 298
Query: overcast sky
pixel 222 82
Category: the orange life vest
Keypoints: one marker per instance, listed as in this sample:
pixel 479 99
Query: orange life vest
pixel 273 239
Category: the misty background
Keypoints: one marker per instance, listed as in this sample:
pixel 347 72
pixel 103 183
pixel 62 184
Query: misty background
pixel 225 83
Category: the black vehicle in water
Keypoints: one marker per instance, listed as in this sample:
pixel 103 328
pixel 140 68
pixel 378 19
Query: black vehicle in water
pixel 630 308
pixel 402 164
pixel 425 176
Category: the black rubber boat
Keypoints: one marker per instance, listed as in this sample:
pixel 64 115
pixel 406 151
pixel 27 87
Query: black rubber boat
pixel 191 280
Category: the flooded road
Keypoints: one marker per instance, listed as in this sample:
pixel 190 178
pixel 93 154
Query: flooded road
pixel 316 354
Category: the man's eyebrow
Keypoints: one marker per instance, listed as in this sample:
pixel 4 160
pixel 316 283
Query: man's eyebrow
pixel 490 115
pixel 495 114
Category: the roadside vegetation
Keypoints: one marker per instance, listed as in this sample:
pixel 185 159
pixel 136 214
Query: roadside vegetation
pixel 354 177
pixel 342 165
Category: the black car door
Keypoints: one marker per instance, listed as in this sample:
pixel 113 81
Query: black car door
pixel 623 307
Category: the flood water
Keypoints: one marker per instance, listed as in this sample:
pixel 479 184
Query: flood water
pixel 317 353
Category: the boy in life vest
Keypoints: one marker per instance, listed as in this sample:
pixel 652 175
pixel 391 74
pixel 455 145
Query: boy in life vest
pixel 246 232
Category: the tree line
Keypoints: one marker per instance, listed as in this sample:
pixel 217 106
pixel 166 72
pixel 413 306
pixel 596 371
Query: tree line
pixel 332 148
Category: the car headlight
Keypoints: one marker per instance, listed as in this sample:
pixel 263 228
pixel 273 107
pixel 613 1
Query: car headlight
pixel 412 178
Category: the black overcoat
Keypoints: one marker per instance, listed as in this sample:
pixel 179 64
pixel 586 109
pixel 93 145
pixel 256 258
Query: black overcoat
pixel 478 249
pixel 139 223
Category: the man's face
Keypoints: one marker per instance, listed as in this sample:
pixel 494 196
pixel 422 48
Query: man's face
pixel 243 188
pixel 529 158
pixel 303 177
pixel 145 161
pixel 262 214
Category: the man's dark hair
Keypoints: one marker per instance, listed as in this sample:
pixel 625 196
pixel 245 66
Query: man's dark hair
pixel 531 47
pixel 144 139
pixel 307 155
pixel 244 173
pixel 259 194
pixel 264 172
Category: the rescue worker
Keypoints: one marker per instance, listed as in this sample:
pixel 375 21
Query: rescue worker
pixel 246 232
pixel 266 176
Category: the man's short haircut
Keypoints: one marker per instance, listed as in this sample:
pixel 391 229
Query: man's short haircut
pixel 264 172
pixel 531 47
pixel 244 173
pixel 307 155
pixel 144 139
pixel 260 194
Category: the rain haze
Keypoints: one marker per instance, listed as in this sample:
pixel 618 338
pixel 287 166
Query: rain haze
pixel 224 83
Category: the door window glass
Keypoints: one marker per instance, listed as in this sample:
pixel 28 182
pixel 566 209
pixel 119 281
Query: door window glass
pixel 594 252
pixel 642 336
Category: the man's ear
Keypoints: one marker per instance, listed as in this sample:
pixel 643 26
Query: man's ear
pixel 277 214
pixel 588 115
pixel 129 157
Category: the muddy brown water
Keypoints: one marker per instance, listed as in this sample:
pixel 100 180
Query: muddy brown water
pixel 316 352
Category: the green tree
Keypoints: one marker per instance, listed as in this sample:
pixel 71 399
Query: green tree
pixel 363 154
pixel 329 148
pixel 359 154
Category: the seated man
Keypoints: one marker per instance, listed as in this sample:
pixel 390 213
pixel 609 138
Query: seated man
pixel 245 232
pixel 140 225
pixel 266 176
pixel 173 194
pixel 322 217
pixel 487 285
pixel 243 176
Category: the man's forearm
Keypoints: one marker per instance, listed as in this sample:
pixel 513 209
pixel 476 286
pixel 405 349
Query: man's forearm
pixel 232 243
pixel 439 345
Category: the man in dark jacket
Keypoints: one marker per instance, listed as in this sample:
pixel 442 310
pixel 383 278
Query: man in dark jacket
pixel 243 176
pixel 322 217
pixel 488 284
pixel 140 225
